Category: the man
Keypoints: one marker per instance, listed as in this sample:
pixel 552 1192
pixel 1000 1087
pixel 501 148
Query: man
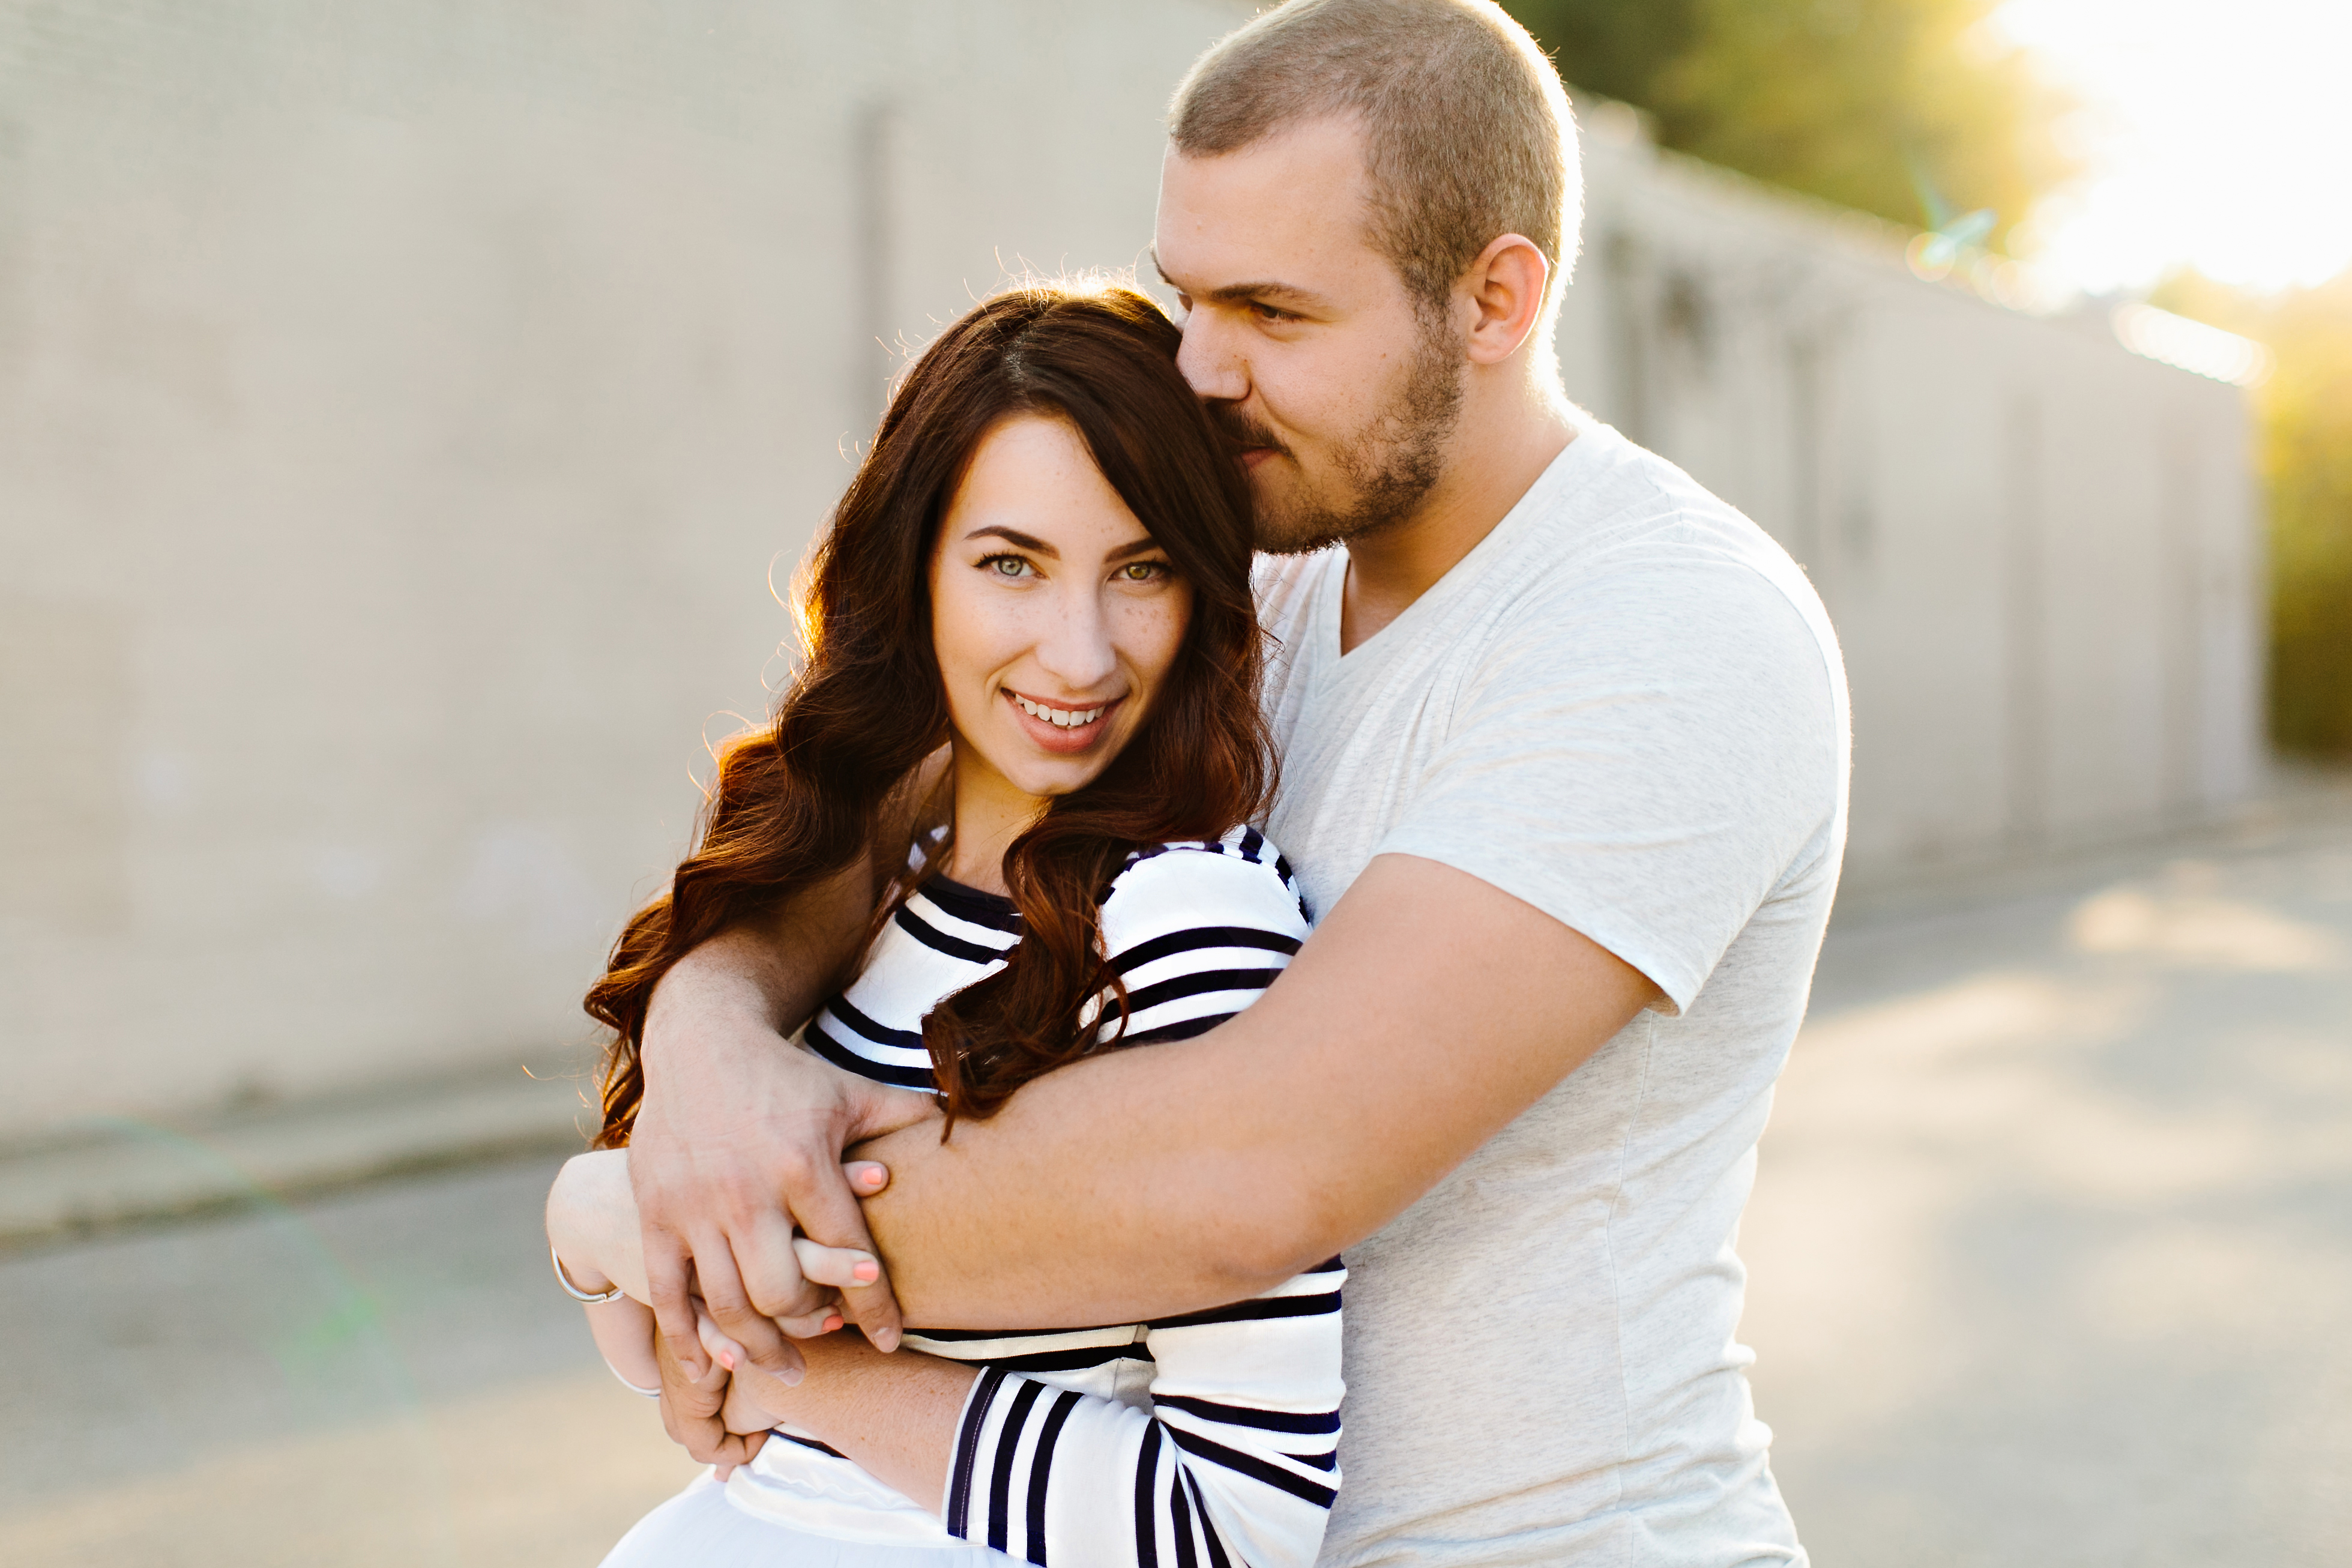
pixel 1565 761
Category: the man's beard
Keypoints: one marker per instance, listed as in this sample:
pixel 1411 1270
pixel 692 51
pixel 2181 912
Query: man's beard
pixel 1388 466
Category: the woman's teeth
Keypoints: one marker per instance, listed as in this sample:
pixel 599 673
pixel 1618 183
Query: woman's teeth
pixel 1067 718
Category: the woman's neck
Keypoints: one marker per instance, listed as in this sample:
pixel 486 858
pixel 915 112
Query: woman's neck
pixel 989 814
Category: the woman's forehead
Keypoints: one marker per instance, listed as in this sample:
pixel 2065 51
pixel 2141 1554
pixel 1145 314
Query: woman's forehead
pixel 1034 476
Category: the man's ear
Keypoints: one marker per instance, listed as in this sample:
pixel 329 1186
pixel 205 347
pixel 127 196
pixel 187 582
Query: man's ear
pixel 1505 290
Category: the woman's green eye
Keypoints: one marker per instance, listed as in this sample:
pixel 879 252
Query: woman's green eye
pixel 1008 565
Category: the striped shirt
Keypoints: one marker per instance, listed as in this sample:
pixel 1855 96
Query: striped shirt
pixel 1196 1441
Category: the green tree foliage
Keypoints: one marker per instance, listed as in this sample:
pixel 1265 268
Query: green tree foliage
pixel 1909 109
pixel 2306 459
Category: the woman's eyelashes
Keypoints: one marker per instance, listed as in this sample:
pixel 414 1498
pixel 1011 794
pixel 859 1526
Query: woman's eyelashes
pixel 1015 567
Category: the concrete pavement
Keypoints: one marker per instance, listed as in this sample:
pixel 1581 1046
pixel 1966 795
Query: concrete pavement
pixel 2052 1253
pixel 2052 1240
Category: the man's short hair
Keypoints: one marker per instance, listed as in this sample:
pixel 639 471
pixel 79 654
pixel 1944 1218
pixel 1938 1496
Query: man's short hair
pixel 1468 131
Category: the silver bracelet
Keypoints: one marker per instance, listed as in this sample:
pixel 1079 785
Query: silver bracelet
pixel 574 1291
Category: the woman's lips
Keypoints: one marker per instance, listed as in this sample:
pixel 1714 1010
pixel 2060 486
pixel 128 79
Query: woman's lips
pixel 1063 740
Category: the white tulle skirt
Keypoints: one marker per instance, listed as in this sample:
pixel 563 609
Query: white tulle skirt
pixel 701 1529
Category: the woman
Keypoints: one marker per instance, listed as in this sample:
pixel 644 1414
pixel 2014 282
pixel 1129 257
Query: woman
pixel 1044 562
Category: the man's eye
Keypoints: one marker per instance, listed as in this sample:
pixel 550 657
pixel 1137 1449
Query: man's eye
pixel 1007 565
pixel 1271 313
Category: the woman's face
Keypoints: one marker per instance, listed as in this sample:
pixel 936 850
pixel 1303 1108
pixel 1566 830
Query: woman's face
pixel 1055 615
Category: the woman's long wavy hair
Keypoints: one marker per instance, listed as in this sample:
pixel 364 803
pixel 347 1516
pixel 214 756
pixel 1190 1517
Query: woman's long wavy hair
pixel 800 800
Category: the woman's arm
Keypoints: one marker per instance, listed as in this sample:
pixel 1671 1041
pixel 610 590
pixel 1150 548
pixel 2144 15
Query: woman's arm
pixel 895 1415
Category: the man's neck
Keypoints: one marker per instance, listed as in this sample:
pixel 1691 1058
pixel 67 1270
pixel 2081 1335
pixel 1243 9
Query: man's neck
pixel 1497 453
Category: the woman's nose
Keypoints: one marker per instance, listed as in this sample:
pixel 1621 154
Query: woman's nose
pixel 1077 651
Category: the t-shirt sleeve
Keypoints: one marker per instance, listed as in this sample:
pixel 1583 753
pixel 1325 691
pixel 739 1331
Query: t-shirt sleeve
pixel 1643 758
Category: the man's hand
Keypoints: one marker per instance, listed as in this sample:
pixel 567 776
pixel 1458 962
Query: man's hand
pixel 693 1413
pixel 739 1141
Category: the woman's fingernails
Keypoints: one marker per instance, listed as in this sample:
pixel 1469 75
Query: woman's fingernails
pixel 865 1273
pixel 727 1361
pixel 833 1323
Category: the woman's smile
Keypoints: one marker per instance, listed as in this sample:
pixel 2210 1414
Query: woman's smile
pixel 1062 728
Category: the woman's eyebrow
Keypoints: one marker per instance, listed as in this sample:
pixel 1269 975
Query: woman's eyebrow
pixel 1136 547
pixel 1015 536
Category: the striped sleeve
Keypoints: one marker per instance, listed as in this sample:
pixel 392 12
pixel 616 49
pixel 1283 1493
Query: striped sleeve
pixel 1236 1460
pixel 1195 933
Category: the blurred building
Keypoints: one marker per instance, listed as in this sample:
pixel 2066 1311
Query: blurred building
pixel 2042 550
pixel 405 411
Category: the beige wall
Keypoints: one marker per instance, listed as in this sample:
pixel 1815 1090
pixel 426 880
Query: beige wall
pixel 404 407
pixel 400 410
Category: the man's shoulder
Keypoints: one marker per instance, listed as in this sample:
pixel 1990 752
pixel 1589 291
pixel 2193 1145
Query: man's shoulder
pixel 1634 540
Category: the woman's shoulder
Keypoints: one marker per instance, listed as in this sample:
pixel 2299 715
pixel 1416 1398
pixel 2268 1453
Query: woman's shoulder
pixel 1238 879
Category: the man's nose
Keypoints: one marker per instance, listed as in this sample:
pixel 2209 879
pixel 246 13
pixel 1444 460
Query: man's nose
pixel 1077 649
pixel 1208 362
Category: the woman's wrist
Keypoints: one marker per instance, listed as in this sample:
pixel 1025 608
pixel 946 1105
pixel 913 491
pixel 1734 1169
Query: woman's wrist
pixel 581 1219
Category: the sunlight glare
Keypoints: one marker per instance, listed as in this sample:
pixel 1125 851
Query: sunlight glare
pixel 2213 136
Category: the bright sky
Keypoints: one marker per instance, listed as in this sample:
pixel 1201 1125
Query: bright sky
pixel 2216 134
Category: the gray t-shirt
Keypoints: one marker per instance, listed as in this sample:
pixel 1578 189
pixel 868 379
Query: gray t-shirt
pixel 1625 707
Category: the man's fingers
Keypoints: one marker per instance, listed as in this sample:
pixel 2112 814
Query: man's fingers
pixel 691 1406
pixel 882 1109
pixel 771 1271
pixel 668 1275
pixel 832 1221
pixel 724 1298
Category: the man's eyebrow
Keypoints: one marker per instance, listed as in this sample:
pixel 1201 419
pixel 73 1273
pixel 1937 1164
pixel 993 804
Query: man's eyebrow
pixel 1266 293
pixel 1015 536
pixel 1269 291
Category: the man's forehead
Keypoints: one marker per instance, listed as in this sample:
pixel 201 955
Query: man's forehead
pixel 1283 212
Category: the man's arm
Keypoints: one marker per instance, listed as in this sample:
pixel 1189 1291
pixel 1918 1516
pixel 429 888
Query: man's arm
pixel 1421 1016
pixel 721 1170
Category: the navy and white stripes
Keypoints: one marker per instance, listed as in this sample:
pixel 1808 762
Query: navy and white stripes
pixel 1205 1440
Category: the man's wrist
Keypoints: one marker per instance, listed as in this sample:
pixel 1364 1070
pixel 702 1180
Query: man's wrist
pixel 715 980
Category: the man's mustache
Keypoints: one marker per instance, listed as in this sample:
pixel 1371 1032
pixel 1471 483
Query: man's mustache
pixel 1242 431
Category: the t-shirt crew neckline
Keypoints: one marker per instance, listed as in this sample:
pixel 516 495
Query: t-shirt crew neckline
pixel 1582 451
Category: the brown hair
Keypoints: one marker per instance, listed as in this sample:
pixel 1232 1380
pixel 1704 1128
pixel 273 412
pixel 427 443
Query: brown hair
pixel 1467 132
pixel 801 800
